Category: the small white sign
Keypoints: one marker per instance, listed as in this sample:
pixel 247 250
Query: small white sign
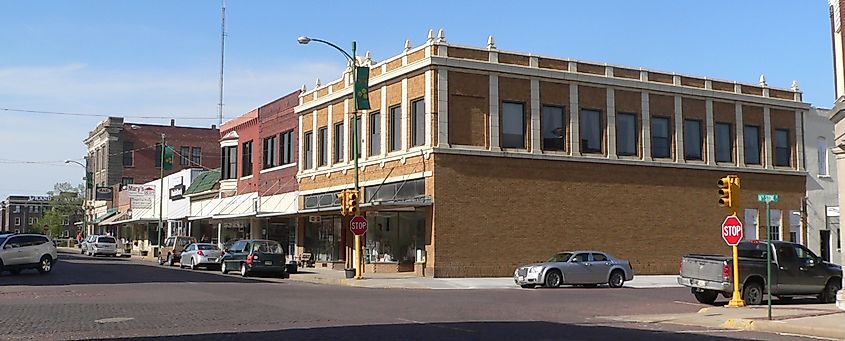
pixel 833 211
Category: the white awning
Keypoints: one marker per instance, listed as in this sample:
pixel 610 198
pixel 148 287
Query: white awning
pixel 238 206
pixel 205 209
pixel 278 205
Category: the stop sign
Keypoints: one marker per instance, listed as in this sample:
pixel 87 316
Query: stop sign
pixel 732 230
pixel 358 225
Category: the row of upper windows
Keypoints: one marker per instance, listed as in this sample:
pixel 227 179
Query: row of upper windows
pixel 277 151
pixel 187 155
pixel 417 130
pixel 513 132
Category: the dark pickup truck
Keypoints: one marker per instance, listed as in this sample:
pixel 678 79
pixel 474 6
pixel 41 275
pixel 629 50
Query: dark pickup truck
pixel 796 271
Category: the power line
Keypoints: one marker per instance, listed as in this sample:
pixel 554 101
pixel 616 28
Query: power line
pixel 60 113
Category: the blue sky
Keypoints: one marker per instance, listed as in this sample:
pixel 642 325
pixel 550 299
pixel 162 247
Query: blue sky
pixel 161 58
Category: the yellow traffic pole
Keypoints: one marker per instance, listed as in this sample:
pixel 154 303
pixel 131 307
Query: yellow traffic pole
pixel 736 299
pixel 359 274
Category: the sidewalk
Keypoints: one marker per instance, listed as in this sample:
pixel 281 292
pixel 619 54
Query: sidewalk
pixel 407 280
pixel 814 320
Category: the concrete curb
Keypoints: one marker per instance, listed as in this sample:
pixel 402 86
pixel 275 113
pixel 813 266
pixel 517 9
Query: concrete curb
pixel 781 327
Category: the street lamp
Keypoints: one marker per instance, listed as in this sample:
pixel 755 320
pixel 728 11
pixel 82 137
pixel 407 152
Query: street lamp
pixel 304 40
pixel 85 194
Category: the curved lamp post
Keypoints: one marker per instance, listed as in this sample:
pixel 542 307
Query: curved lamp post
pixel 84 195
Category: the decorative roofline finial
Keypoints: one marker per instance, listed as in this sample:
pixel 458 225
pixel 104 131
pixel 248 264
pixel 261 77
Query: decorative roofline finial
pixel 441 36
pixel 490 44
pixel 317 83
pixel 794 86
pixel 430 38
pixel 368 58
pixel 407 45
pixel 763 81
pixel 303 89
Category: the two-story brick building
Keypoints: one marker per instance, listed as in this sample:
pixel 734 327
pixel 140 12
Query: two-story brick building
pixel 22 213
pixel 474 160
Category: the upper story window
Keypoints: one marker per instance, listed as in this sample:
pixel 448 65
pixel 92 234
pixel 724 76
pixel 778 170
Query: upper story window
pixel 246 158
pixel 751 138
pixel 128 154
pixel 418 122
pixel 184 155
pixel 229 168
pixel 660 142
pixel 591 132
pixel 126 180
pixel 395 128
pixel 270 152
pixel 783 150
pixel 308 148
pixel 323 150
pixel 692 140
pixel 724 142
pixel 337 152
pixel 286 147
pixel 821 151
pixel 554 128
pixel 513 125
pixel 17 221
pixel 196 156
pixel 626 134
pixel 375 133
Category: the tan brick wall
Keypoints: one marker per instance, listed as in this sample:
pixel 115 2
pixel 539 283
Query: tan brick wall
pixel 693 82
pixel 664 106
pixel 416 87
pixel 722 86
pixel 693 109
pixel 307 122
pixel 458 52
pixel 507 58
pixel 375 71
pixel 517 90
pixel 556 64
pixel 416 56
pixel 556 94
pixel 394 64
pixel 337 111
pixel 626 73
pixel 726 113
pixel 469 107
pixel 375 99
pixel 322 92
pixel 781 94
pixel 784 119
pixel 521 211
pixel 660 77
pixel 595 98
pixel 752 90
pixel 337 86
pixel 322 116
pixel 590 68
pixel 372 172
pixel 394 94
pixel 630 102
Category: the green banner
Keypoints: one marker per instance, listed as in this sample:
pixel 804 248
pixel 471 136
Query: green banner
pixel 361 94
pixel 168 158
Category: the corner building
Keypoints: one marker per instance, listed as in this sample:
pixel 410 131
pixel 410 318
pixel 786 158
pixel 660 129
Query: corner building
pixel 475 160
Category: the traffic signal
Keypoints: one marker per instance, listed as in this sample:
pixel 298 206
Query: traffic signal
pixel 352 202
pixel 342 197
pixel 729 192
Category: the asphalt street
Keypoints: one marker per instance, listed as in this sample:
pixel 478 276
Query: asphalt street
pixel 106 298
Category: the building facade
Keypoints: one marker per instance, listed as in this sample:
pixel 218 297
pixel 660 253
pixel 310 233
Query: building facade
pixel 822 201
pixel 21 213
pixel 837 113
pixel 475 160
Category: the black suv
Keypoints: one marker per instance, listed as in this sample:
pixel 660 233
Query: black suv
pixel 254 256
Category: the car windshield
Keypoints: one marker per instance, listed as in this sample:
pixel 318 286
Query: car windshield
pixel 267 247
pixel 106 240
pixel 183 241
pixel 560 257
pixel 207 247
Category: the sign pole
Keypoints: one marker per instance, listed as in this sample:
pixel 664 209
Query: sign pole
pixel 769 257
pixel 736 298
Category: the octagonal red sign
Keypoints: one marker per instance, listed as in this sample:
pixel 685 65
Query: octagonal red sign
pixel 732 230
pixel 358 225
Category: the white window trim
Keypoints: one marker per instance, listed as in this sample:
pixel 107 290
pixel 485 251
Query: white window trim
pixel 292 164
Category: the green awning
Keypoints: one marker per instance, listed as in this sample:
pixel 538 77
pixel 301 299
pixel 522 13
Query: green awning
pixel 110 212
pixel 205 181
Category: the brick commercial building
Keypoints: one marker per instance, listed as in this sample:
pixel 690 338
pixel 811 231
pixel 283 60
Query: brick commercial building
pixel 476 160
pixel 128 153
pixel 20 213
pixel 837 115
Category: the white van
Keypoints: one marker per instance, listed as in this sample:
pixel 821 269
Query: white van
pixel 26 251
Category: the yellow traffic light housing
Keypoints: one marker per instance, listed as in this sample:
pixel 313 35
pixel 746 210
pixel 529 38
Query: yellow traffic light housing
pixel 352 202
pixel 342 197
pixel 729 192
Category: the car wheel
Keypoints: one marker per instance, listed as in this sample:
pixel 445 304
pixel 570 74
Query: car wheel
pixel 617 279
pixel 160 261
pixel 706 296
pixel 81 251
pixel 752 293
pixel 829 293
pixel 223 268
pixel 244 271
pixel 45 265
pixel 527 286
pixel 193 264
pixel 553 279
pixel 171 260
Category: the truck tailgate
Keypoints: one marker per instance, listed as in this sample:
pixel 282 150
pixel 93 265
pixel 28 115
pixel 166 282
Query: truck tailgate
pixel 703 267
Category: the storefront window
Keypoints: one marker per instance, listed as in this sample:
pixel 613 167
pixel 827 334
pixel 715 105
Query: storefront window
pixel 322 239
pixel 394 237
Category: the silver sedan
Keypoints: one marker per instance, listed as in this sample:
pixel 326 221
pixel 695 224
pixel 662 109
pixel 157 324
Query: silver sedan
pixel 200 254
pixel 575 268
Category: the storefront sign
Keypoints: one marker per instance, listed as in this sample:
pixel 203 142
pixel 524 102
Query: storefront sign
pixel 177 191
pixel 833 211
pixel 39 198
pixel 104 193
pixel 140 196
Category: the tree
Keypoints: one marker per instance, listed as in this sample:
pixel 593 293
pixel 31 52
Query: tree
pixel 66 203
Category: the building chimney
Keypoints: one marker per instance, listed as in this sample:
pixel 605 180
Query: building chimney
pixel 172 122
pixel 213 126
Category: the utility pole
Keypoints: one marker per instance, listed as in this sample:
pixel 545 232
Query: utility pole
pixel 161 193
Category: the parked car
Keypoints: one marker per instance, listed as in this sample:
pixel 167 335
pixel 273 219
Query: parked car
pixel 200 254
pixel 254 256
pixel 101 245
pixel 575 268
pixel 171 251
pixel 86 243
pixel 27 251
pixel 796 271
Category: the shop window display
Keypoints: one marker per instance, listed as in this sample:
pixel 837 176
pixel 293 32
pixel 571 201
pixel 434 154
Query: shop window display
pixel 322 239
pixel 394 237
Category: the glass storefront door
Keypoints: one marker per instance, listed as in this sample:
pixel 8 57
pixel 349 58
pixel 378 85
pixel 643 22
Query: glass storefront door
pixel 322 239
pixel 394 237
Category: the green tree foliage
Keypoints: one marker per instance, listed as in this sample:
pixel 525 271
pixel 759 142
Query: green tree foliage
pixel 65 203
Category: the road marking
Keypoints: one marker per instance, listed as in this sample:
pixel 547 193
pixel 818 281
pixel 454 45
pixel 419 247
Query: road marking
pixel 709 331
pixel 688 303
pixel 114 320
pixel 806 336
pixel 436 326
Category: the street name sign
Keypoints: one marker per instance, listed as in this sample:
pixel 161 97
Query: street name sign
pixel 732 230
pixel 358 225
pixel 767 197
